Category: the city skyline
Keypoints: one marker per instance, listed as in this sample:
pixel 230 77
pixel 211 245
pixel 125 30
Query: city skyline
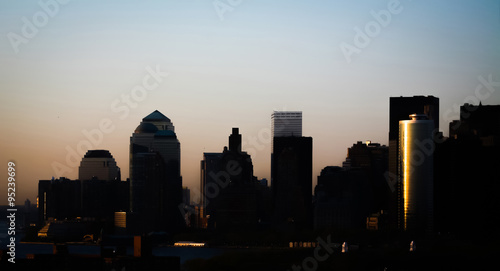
pixel 208 75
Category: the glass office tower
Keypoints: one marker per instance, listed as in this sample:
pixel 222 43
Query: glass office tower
pixel 416 151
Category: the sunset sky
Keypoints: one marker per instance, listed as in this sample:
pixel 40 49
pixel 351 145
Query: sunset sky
pixel 71 68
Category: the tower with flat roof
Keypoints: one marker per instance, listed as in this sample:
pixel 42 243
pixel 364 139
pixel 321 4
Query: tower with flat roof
pixel 291 171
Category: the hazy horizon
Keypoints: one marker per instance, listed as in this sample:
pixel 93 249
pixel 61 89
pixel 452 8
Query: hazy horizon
pixel 73 67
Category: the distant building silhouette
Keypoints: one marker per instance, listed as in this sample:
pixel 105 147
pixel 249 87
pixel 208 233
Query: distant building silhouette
pixel 236 206
pixel 284 124
pixel 102 191
pixel 292 182
pixel 345 197
pixel 372 158
pixel 291 172
pixel 100 165
pixel 416 175
pixel 478 122
pixel 399 109
pixel 232 198
pixel 209 186
pixel 59 199
pixel 156 183
pixel 341 197
pixel 92 199
pixel 467 177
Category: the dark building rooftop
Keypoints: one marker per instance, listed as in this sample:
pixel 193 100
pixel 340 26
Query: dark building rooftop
pixel 156 116
pixel 98 154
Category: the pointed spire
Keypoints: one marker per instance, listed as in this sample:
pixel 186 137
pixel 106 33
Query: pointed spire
pixel 156 116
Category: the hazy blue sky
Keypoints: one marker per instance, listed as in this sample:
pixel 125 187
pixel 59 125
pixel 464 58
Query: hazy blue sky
pixel 68 66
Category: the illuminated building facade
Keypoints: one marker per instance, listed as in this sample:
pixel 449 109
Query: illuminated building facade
pixel 416 151
pixel 399 109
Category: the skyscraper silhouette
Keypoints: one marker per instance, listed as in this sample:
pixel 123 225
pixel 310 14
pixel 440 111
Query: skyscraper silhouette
pixel 291 172
pixel 467 178
pixel 209 186
pixel 284 124
pixel 156 184
pixel 236 205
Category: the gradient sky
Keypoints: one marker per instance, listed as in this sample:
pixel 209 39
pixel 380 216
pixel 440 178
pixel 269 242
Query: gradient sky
pixel 229 68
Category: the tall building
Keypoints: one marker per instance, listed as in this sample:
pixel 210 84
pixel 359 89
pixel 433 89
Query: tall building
pixel 155 180
pixel 292 182
pixel 291 171
pixel 399 109
pixel 284 124
pixel 467 177
pixel 416 175
pixel 345 197
pixel 99 165
pixel 236 204
pixel 231 197
pixel 102 191
pixel 371 158
pixel 209 188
